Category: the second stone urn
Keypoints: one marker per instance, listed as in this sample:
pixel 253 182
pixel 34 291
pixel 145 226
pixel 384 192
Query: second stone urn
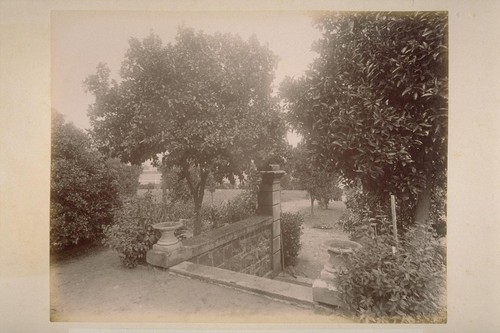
pixel 338 249
pixel 168 241
pixel 324 288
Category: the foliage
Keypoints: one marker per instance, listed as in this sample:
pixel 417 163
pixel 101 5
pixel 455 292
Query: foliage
pixel 127 176
pixel 149 186
pixel 291 230
pixel 174 185
pixel 367 215
pixel 405 287
pixel 366 211
pixel 224 185
pixel 212 186
pixel 179 210
pixel 202 104
pixel 237 209
pixel 329 193
pixel 132 234
pixel 438 210
pixel 83 190
pixel 319 184
pixel 374 104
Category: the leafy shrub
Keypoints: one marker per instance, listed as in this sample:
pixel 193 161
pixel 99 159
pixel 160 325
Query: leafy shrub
pixel 214 215
pixel 241 207
pixel 364 218
pixel 127 176
pixel 366 212
pixel 148 186
pixel 405 287
pixel 132 234
pixel 438 210
pixel 291 230
pixel 83 190
pixel 175 211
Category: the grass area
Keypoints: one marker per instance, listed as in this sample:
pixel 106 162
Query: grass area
pixel 293 195
pixel 228 194
pixel 219 195
pixel 324 218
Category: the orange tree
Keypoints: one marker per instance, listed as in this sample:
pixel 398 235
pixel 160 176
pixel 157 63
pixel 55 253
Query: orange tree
pixel 202 104
pixel 374 103
pixel 319 184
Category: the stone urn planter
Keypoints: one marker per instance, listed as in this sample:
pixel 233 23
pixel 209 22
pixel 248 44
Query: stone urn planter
pixel 324 288
pixel 168 241
pixel 338 249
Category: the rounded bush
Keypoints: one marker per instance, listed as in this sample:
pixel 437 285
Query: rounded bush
pixel 291 230
pixel 132 233
pixel 83 190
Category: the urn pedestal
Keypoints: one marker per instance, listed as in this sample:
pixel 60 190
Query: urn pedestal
pixel 324 289
pixel 167 242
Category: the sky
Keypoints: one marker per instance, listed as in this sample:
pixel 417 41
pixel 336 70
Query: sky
pixel 80 40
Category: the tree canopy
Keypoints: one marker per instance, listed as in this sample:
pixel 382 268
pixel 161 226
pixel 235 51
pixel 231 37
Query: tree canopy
pixel 374 103
pixel 202 103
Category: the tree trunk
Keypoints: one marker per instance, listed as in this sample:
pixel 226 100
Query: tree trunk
pixel 197 192
pixel 312 205
pixel 197 217
pixel 423 208
pixel 164 194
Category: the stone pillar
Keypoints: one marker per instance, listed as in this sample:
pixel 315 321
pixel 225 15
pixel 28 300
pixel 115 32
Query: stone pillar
pixel 269 203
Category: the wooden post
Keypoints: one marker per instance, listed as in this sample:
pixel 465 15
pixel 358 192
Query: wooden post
pixel 394 227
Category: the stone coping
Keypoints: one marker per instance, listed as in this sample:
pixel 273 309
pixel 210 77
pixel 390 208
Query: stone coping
pixel 272 288
pixel 223 235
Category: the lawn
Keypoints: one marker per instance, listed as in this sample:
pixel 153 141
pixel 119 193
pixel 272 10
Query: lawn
pixel 293 195
pixel 324 218
pixel 219 195
pixel 228 194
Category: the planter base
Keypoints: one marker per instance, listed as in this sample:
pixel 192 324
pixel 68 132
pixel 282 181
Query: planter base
pixel 325 292
pixel 166 259
pixel 166 248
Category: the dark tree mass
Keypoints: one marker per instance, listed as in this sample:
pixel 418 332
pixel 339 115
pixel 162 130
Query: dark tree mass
pixel 374 104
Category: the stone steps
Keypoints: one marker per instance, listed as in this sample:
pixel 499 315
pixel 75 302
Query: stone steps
pixel 285 291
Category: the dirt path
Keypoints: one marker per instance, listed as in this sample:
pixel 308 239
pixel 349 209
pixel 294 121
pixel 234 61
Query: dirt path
pixel 313 254
pixel 96 288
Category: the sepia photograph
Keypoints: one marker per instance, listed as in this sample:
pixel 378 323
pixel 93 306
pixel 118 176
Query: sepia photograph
pixel 249 166
pixel 265 166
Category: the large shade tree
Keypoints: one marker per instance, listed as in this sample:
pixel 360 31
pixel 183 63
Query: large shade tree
pixel 374 103
pixel 202 104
